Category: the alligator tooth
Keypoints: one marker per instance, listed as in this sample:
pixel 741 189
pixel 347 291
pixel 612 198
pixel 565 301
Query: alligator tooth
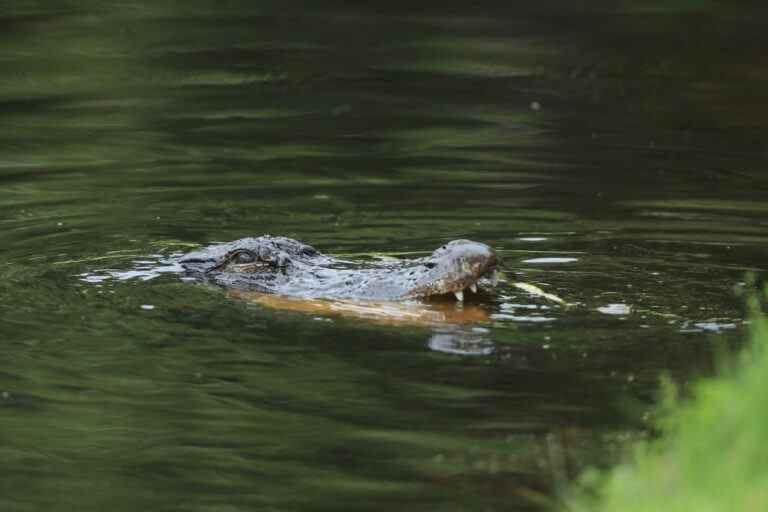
pixel 459 296
pixel 473 287
pixel 495 278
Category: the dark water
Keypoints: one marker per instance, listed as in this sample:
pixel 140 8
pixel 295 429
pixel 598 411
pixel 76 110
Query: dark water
pixel 614 155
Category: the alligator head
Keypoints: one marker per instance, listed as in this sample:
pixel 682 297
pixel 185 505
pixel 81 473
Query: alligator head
pixel 279 265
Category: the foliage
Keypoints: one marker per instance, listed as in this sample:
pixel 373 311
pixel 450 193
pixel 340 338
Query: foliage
pixel 713 453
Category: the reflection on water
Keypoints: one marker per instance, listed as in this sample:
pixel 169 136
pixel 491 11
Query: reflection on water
pixel 613 155
pixel 144 270
pixel 462 342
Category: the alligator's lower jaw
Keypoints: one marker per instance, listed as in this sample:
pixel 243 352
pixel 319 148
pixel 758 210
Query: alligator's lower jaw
pixel 485 282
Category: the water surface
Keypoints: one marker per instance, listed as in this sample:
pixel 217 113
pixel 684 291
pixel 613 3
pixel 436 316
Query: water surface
pixel 612 155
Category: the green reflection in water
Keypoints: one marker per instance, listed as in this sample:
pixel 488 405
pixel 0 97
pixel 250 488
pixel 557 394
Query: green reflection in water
pixel 131 130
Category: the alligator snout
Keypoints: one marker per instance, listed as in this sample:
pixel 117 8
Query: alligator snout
pixel 455 267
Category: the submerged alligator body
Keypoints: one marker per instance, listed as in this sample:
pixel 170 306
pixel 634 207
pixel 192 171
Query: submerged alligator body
pixel 287 267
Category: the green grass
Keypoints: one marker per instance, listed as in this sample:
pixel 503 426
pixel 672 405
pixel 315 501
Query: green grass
pixel 713 451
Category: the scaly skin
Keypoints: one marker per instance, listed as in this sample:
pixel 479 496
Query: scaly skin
pixel 282 266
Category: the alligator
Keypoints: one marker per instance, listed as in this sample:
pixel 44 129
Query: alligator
pixel 289 268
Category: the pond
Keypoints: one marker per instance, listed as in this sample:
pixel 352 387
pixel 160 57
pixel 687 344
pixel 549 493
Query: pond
pixel 613 156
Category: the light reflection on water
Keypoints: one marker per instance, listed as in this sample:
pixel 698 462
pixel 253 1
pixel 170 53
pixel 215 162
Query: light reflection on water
pixel 499 306
pixel 611 162
pixel 462 342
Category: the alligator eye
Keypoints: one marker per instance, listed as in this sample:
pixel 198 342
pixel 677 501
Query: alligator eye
pixel 243 257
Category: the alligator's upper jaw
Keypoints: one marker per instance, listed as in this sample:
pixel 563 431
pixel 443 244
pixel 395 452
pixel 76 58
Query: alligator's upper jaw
pixel 456 267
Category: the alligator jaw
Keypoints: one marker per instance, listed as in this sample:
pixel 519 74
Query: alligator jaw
pixel 484 283
pixel 457 268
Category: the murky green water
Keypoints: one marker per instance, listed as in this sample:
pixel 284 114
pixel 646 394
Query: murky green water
pixel 614 156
